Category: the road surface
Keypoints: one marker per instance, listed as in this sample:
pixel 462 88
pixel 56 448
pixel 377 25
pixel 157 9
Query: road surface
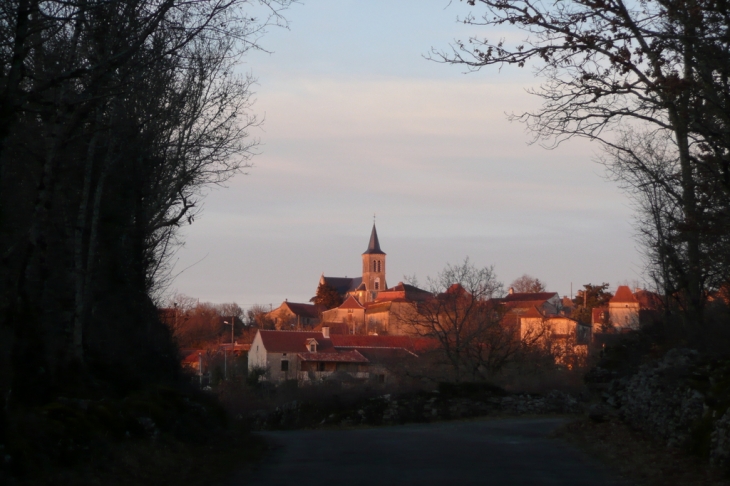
pixel 485 452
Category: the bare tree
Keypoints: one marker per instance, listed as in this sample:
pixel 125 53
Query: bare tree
pixel 656 66
pixel 463 317
pixel 527 283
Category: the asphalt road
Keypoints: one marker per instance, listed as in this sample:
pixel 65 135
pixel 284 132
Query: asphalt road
pixel 484 452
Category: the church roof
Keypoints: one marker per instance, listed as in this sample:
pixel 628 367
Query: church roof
pixel 374 245
pixel 343 285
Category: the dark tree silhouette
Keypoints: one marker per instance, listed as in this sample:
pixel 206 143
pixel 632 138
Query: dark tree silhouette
pixel 113 116
pixel 658 69
pixel 327 296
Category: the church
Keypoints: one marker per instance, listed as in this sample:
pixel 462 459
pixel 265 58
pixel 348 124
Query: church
pixel 364 289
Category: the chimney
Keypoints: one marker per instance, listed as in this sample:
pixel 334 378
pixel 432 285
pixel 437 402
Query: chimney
pixel 511 290
pixel 326 332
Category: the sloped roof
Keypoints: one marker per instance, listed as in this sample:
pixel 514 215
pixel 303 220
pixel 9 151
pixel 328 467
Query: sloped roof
pixel 351 303
pixel 532 312
pixel 354 341
pixel 374 244
pixel 529 296
pixel 343 285
pixel 377 355
pixel 405 292
pixel 350 356
pixel 294 341
pixel 305 310
pixel 523 304
pixel 623 296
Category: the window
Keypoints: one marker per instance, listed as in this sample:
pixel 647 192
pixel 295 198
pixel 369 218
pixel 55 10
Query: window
pixel 284 365
pixel 378 262
pixel 375 266
pixel 312 348
pixel 320 366
pixel 377 284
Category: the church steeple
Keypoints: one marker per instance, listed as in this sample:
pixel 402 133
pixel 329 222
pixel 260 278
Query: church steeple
pixel 374 245
pixel 373 267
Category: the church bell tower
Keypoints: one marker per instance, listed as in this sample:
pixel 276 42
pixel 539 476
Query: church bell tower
pixel 373 265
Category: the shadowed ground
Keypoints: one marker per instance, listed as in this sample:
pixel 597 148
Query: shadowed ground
pixel 485 452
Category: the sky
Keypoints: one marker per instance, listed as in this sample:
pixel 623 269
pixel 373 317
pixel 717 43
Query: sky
pixel 359 123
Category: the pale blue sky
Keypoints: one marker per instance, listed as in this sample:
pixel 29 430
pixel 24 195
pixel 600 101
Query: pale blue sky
pixel 358 122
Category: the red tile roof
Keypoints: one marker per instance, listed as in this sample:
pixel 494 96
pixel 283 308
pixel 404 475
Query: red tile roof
pixel 350 356
pixel 532 312
pixel 623 296
pixel 375 355
pixel 353 341
pixel 406 342
pixel 294 341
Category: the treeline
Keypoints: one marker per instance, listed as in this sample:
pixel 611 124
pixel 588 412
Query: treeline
pixel 196 324
pixel 114 116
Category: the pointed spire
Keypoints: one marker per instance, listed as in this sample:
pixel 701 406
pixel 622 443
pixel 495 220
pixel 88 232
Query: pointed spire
pixel 374 245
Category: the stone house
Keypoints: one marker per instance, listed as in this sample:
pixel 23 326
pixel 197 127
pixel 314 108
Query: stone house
pixel 566 339
pixel 295 316
pixel 350 313
pixel 308 356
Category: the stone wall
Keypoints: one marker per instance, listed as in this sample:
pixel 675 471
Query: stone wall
pixel 682 399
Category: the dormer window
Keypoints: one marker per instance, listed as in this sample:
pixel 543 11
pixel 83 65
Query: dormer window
pixel 312 345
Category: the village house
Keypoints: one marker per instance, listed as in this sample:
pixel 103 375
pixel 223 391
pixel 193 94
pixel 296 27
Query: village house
pixel 626 311
pixel 351 313
pixel 294 316
pixel 565 338
pixel 308 356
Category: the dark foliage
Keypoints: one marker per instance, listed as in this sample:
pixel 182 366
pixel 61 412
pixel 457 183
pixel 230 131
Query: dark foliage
pixel 113 116
pixel 327 296
pixel 589 298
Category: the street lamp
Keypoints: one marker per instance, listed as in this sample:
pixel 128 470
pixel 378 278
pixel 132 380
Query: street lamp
pixel 225 354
